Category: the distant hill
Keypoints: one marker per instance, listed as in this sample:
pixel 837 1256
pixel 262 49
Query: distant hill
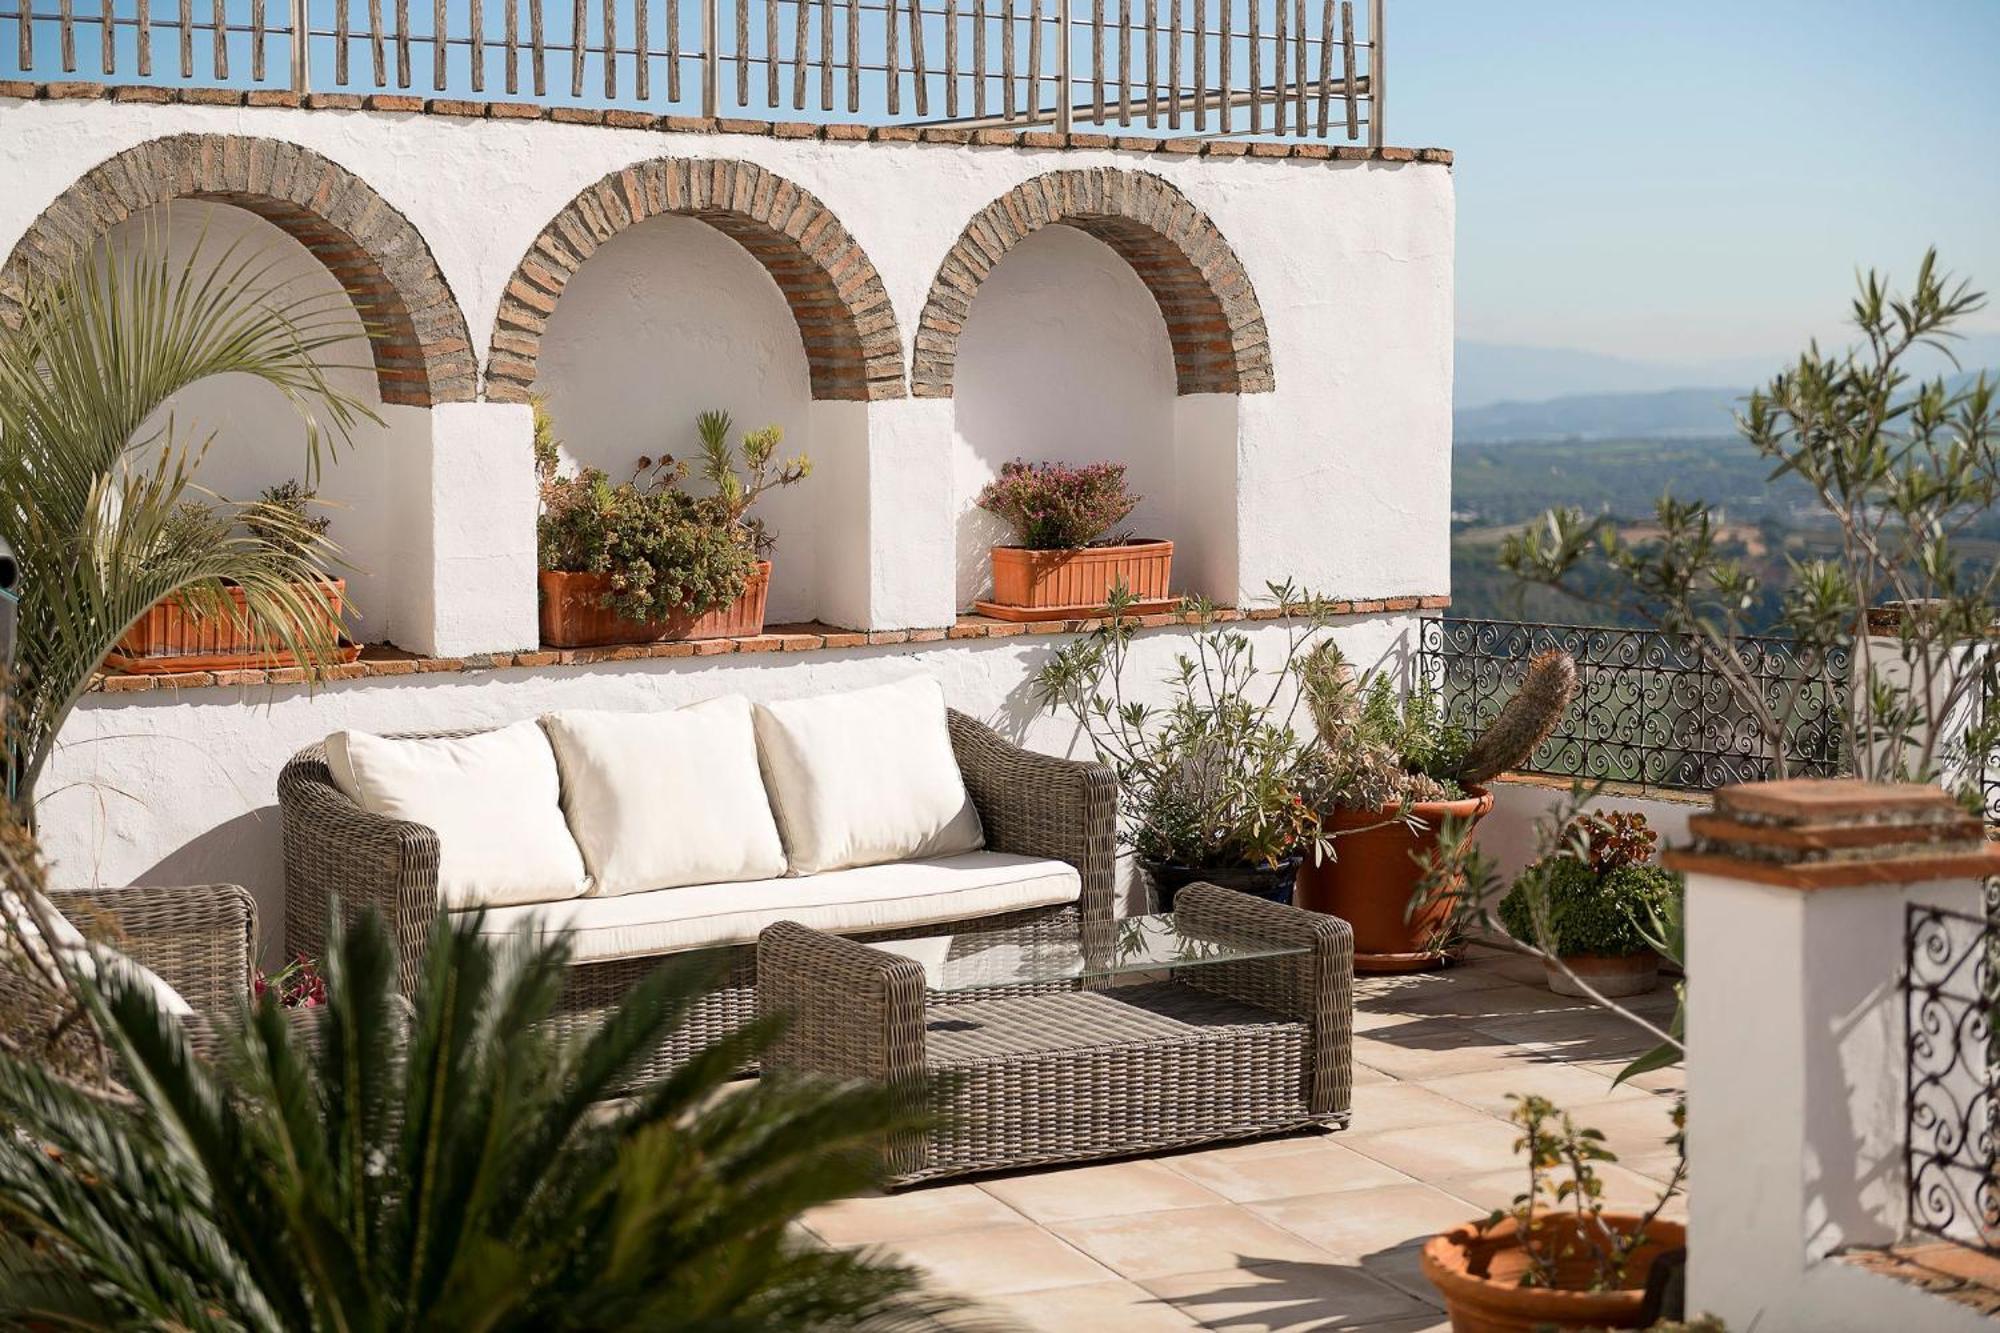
pixel 1488 373
pixel 1668 414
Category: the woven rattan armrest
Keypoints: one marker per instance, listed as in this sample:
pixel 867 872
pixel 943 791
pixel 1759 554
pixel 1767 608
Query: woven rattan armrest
pixel 849 1011
pixel 335 849
pixel 1042 805
pixel 201 939
pixel 1316 986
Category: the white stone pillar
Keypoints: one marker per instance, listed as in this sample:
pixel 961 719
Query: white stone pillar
pixel 1797 916
pixel 475 589
pixel 903 508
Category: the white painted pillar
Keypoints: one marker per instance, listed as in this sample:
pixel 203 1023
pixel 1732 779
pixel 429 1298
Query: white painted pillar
pixel 1798 894
pixel 905 518
pixel 475 588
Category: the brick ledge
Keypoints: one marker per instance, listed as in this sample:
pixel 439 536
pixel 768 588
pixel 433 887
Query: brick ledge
pixel 620 119
pixel 384 660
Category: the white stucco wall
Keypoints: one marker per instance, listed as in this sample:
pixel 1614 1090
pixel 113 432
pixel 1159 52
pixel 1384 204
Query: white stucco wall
pixel 1340 477
pixel 179 787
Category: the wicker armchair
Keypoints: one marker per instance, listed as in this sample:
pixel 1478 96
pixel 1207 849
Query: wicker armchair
pixel 1031 804
pixel 200 939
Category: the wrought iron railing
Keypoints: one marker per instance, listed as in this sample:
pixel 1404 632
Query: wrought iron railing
pixel 1297 68
pixel 1949 1114
pixel 1649 709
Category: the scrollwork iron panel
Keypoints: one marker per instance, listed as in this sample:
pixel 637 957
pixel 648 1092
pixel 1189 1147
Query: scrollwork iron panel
pixel 1949 1111
pixel 1649 709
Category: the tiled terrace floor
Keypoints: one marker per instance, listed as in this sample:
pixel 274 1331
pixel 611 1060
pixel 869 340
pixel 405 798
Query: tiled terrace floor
pixel 1319 1231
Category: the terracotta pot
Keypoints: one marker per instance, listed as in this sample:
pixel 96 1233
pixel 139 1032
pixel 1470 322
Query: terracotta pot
pixel 1610 975
pixel 1479 1276
pixel 1271 882
pixel 1080 579
pixel 169 637
pixel 1373 874
pixel 572 617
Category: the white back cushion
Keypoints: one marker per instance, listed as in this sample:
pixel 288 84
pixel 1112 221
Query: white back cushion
pixel 64 940
pixel 493 799
pixel 660 800
pixel 865 777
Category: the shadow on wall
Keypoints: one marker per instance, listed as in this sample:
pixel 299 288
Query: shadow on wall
pixel 218 856
pixel 1065 356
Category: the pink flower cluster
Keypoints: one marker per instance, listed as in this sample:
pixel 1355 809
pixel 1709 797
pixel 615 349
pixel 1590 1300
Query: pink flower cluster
pixel 1057 506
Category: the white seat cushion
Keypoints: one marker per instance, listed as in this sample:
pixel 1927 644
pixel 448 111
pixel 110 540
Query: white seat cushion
pixel 659 800
pixel 866 777
pixel 493 799
pixel 844 902
pixel 64 940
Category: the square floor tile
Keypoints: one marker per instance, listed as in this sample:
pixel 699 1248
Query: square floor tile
pixel 1114 1188
pixel 1315 1169
pixel 1398 1105
pixel 1100 1307
pixel 996 1261
pixel 1354 1225
pixel 1186 1240
pixel 1281 1298
pixel 1429 1152
pixel 1566 1085
pixel 924 1211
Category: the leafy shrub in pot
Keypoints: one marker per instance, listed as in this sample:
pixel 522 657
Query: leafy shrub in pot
pixel 1592 904
pixel 1064 563
pixel 647 560
pixel 1390 772
pixel 207 628
pixel 1214 785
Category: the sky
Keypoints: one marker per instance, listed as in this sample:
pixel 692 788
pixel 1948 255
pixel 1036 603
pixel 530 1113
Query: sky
pixel 1699 182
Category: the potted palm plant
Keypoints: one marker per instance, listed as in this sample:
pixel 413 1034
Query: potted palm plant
pixel 1557 1259
pixel 1593 903
pixel 1064 565
pixel 1213 784
pixel 646 561
pixel 208 629
pixel 100 347
pixel 1392 774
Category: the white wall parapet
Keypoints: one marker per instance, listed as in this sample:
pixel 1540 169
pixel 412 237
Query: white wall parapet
pixel 1796 1071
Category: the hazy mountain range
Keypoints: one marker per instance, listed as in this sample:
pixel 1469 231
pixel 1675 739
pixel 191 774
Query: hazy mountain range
pixel 1539 393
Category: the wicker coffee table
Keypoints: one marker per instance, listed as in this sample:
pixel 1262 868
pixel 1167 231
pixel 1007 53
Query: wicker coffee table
pixel 1230 1018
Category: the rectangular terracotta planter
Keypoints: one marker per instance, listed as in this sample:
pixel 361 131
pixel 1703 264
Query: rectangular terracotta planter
pixel 169 637
pixel 572 618
pixel 1079 580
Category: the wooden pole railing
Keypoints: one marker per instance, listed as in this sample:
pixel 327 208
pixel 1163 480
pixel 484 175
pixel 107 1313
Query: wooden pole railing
pixel 1289 68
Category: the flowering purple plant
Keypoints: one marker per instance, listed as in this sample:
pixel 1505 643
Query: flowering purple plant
pixel 1058 507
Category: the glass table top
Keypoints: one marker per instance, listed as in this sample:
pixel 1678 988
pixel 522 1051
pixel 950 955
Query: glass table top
pixel 1022 956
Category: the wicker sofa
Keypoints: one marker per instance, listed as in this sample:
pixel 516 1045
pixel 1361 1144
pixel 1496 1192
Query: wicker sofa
pixel 1030 805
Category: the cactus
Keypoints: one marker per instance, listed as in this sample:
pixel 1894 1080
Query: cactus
pixel 1524 721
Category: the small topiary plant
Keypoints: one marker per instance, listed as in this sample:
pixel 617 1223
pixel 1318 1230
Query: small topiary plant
pixel 1057 506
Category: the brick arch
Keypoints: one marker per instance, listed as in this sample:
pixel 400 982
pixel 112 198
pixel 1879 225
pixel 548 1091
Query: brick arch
pixel 1211 311
pixel 853 349
pixel 422 348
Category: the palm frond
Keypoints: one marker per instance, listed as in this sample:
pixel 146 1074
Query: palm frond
pixel 93 461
